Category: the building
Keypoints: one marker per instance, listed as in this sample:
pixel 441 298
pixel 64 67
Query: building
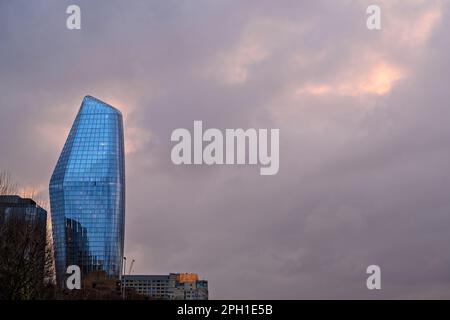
pixel 174 286
pixel 13 206
pixel 87 193
pixel 23 243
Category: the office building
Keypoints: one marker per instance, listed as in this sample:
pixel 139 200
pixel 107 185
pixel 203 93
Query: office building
pixel 174 286
pixel 13 206
pixel 87 193
pixel 23 243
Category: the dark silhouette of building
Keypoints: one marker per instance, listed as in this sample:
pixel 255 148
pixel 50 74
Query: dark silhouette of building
pixel 24 260
pixel 13 207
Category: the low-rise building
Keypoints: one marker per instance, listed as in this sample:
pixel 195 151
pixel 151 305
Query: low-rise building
pixel 174 286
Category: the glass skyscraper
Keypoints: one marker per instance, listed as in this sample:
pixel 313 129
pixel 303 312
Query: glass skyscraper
pixel 87 193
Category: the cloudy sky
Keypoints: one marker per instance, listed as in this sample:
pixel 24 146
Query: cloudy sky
pixel 364 125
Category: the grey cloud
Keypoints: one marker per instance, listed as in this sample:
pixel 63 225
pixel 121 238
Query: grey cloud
pixel 363 179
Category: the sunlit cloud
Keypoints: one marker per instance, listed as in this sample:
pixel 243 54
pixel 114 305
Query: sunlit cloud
pixel 377 81
pixel 31 191
pixel 135 139
pixel 411 28
pixel 380 81
pixel 38 193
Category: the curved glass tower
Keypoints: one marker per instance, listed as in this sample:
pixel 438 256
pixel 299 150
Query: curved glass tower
pixel 87 193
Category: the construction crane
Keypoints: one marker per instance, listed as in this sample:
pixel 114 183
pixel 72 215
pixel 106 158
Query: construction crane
pixel 131 267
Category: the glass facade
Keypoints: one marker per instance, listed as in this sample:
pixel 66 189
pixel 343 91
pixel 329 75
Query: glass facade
pixel 87 193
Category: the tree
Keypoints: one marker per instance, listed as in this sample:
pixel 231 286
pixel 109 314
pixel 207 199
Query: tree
pixel 26 257
pixel 6 185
